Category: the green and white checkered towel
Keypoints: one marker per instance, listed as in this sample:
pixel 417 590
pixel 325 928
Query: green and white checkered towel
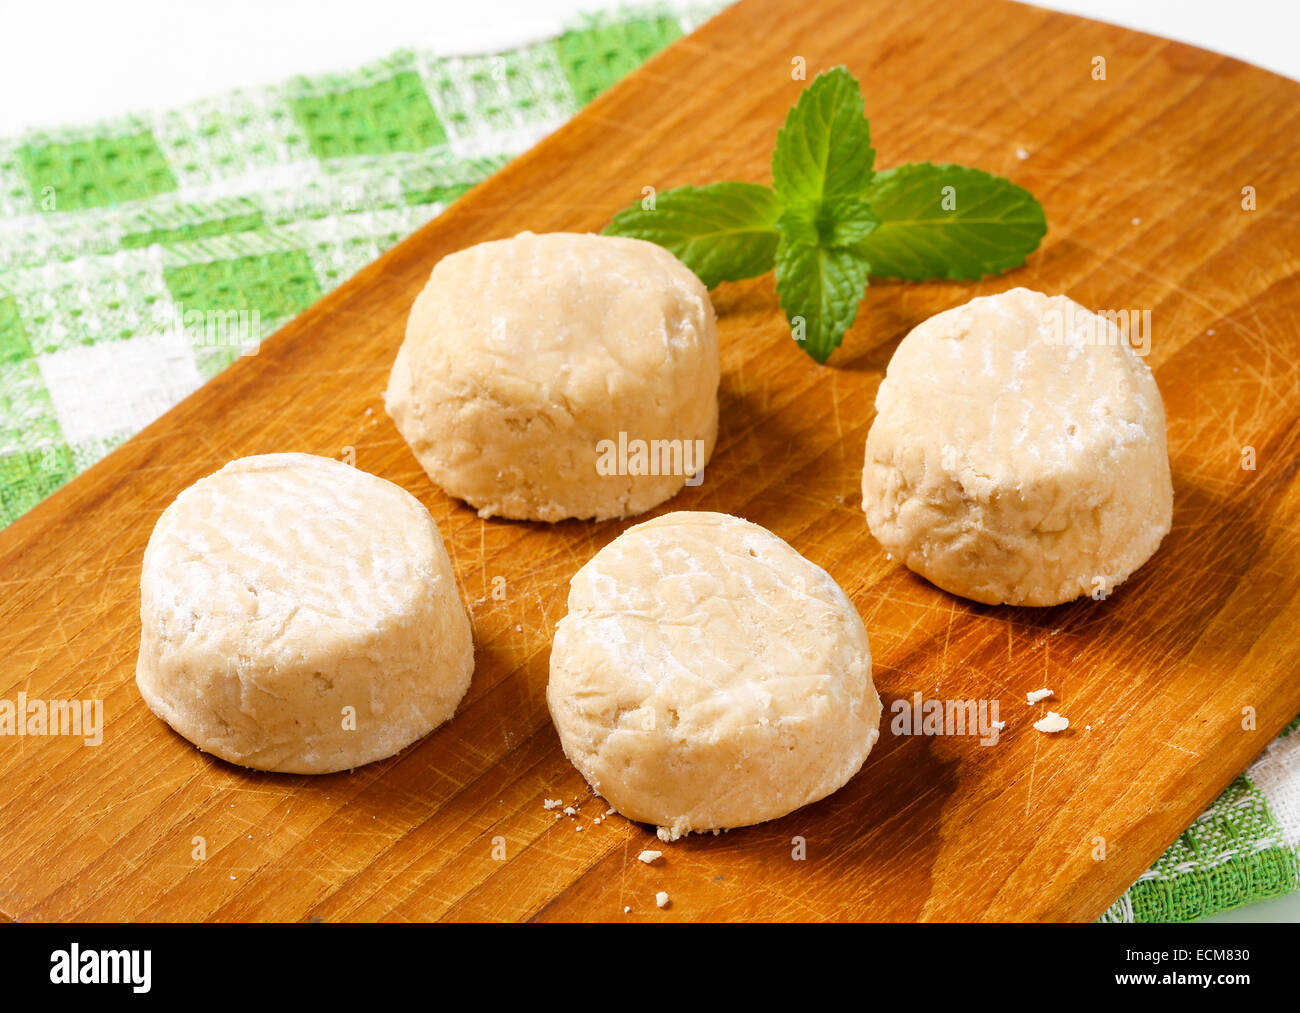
pixel 1244 848
pixel 112 235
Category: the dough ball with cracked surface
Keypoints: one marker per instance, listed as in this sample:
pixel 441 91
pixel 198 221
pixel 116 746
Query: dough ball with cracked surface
pixel 708 676
pixel 300 615
pixel 1018 452
pixel 525 359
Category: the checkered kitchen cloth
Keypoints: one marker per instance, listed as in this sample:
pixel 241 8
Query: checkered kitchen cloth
pixel 111 234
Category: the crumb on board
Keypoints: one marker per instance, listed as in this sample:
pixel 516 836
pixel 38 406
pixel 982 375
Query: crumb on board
pixel 999 725
pixel 1053 722
pixel 552 803
pixel 661 898
pixel 1038 694
pixel 649 856
pixel 570 811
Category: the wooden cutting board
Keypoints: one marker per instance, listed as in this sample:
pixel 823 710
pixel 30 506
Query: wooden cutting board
pixel 1141 174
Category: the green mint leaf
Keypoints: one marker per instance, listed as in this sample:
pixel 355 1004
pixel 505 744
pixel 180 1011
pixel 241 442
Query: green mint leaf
pixel 949 221
pixel 835 222
pixel 824 149
pixel 722 232
pixel 798 224
pixel 846 221
pixel 819 288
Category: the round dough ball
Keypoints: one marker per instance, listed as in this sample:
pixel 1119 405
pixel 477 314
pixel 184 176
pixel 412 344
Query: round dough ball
pixel 1018 452
pixel 285 589
pixel 526 358
pixel 708 676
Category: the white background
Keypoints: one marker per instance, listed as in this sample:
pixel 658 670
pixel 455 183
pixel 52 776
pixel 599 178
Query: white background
pixel 64 62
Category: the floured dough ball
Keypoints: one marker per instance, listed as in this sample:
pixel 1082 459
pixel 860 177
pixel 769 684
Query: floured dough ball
pixel 300 615
pixel 708 676
pixel 1018 452
pixel 559 375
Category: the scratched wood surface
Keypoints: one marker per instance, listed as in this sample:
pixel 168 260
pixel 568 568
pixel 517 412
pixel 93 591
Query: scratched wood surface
pixel 1141 175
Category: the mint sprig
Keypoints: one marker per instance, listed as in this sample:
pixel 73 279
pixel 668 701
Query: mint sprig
pixel 828 220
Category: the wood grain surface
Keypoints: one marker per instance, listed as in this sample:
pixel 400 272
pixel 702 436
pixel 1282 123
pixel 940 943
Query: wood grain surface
pixel 1141 175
